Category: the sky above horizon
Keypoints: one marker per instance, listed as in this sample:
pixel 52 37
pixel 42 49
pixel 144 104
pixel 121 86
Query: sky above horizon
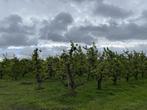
pixel 51 24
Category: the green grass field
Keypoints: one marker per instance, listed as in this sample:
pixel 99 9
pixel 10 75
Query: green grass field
pixel 23 96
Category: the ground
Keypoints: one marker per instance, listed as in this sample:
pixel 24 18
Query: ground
pixel 22 95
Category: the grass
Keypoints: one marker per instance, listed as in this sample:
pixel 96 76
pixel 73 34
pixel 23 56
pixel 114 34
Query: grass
pixel 22 95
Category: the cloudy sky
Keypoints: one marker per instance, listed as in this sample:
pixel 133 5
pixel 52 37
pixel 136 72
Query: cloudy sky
pixel 52 24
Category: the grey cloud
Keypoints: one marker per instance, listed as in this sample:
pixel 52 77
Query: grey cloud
pixel 109 10
pixel 88 34
pixel 15 39
pixel 113 32
pixel 80 1
pixel 55 29
pixel 121 31
pixel 13 32
pixel 13 19
pixel 144 15
pixel 125 31
pixel 81 34
pixel 61 22
pixel 101 8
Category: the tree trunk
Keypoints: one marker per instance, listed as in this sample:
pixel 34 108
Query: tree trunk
pixel 71 83
pixel 1 75
pixel 127 77
pixel 49 74
pixel 99 82
pixel 88 76
pixel 142 74
pixel 136 76
pixel 50 71
pixel 39 81
pixel 114 79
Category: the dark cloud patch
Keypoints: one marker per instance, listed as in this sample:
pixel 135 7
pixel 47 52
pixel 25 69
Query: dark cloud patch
pixel 89 33
pixel 108 10
pixel 61 22
pixel 13 32
pixel 15 39
pixel 101 8
pixel 82 34
pixel 119 32
pixel 55 29
pixel 113 32
pixel 144 15
pixel 124 31
pixel 80 1
pixel 13 19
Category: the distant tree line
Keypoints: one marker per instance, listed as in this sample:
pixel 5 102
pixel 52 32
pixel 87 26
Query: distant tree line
pixel 77 66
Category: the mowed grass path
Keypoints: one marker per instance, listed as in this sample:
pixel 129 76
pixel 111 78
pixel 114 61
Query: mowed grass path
pixel 23 96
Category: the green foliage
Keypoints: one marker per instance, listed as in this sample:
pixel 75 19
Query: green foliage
pixel 76 66
pixel 37 67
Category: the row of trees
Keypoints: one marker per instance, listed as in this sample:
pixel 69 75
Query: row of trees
pixel 76 66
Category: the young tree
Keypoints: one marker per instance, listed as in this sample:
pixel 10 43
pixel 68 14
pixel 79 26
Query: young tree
pixel 114 64
pixel 51 66
pixel 15 68
pixel 26 67
pixel 6 65
pixel 128 64
pixel 142 64
pixel 92 55
pixel 72 68
pixel 136 64
pixel 100 71
pixel 37 67
pixel 68 58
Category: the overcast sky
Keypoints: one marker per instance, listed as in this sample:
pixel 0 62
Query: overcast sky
pixel 52 24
